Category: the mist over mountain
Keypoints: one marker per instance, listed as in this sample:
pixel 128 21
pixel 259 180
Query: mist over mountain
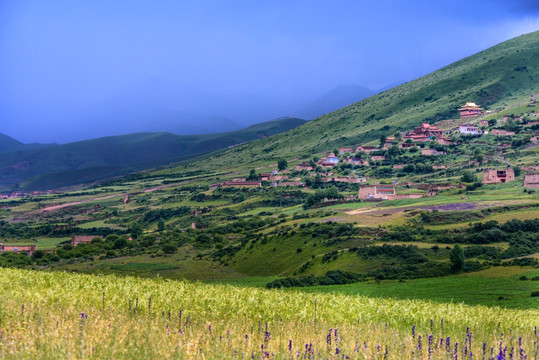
pixel 337 98
pixel 158 105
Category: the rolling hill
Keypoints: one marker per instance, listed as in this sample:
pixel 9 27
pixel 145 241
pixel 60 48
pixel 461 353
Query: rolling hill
pixel 90 160
pixel 497 77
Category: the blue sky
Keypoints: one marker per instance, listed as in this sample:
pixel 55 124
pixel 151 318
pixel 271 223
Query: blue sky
pixel 61 60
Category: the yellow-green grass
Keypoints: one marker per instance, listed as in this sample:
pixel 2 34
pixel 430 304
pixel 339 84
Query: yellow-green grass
pixel 60 315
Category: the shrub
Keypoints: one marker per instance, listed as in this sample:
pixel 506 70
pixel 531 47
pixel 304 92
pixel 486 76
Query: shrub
pixel 169 248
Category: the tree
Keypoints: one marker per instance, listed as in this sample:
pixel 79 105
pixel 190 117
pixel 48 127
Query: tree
pixel 393 151
pixel 456 256
pixel 517 170
pixel 310 202
pixel 120 243
pixel 169 248
pixel 467 176
pixel 161 224
pixel 479 158
pixel 282 164
pixel 136 230
pixel 382 141
pixel 252 175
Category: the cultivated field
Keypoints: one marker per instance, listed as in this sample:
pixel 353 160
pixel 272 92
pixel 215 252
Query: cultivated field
pixel 59 315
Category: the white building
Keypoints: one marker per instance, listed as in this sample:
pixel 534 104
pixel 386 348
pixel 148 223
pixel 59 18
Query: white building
pixel 468 129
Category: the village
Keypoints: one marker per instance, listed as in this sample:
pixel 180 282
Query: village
pixel 478 141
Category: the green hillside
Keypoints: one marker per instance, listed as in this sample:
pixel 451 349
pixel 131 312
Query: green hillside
pixel 85 161
pixel 502 75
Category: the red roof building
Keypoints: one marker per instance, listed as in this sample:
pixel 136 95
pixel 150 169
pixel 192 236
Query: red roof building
pixel 423 132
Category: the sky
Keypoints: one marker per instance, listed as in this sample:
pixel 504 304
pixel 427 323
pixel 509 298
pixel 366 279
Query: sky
pixel 71 70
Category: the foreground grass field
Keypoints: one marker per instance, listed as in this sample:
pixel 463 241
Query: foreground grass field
pixel 60 315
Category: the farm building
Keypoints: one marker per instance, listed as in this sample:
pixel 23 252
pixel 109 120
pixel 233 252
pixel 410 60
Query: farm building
pixel 241 184
pixel 356 161
pixel 344 150
pixel 303 166
pixel 432 152
pixel 531 181
pixel 502 132
pixel 376 192
pixel 83 239
pixel 28 249
pixel 498 176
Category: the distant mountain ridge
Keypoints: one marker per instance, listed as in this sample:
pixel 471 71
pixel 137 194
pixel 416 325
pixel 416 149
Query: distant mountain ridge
pixel 8 144
pixel 89 160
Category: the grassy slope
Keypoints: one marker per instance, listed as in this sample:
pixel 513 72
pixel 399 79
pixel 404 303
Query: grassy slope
pixel 494 78
pixel 98 158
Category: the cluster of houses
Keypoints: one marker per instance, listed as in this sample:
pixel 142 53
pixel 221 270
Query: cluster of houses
pixel 356 156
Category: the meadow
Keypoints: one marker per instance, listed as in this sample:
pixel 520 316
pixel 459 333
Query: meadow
pixel 60 315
